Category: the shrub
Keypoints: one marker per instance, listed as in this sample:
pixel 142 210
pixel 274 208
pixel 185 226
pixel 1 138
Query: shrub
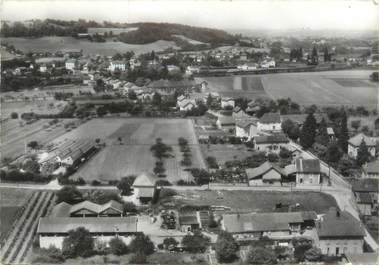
pixel 142 244
pixel 14 115
pixel 138 258
pixel 117 246
pixel 167 193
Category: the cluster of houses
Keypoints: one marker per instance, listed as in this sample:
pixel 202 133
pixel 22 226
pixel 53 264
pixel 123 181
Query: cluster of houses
pixel 303 172
pixel 337 232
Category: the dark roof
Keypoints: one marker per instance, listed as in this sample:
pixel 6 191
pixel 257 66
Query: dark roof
pixel 372 167
pixel 275 138
pixel 270 118
pixel 339 224
pixel 309 215
pixel 226 120
pixel 93 224
pixel 253 173
pixel 366 185
pixel 307 165
pixel 260 222
pixel 64 209
pixel 188 219
pixel 363 197
pixel 237 109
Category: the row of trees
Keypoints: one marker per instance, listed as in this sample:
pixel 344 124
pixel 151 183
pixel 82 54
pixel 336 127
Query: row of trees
pixel 160 151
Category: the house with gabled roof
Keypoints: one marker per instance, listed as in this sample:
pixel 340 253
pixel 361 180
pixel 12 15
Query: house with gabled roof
pixel 371 170
pixel 88 209
pixel 270 122
pixel 238 113
pixel 270 143
pixel 308 171
pixel 227 102
pixel 281 226
pixel 266 174
pixel 355 141
pixel 339 233
pixel 145 187
pixel 225 122
pixel 52 231
pixel 186 104
pixel 245 128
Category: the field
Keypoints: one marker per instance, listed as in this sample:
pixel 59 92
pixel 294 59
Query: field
pixel 11 201
pixel 54 44
pixel 224 153
pixel 246 86
pixel 350 88
pixel 38 107
pixel 132 155
pixel 5 55
pixel 14 136
pixel 260 201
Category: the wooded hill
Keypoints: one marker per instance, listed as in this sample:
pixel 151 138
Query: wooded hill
pixel 151 32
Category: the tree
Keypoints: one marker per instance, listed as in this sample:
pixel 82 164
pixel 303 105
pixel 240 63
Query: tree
pixel 323 137
pixel 272 157
pixel 170 243
pixel 343 137
pixel 160 149
pixel 291 129
pixel 374 77
pixel 33 144
pixel 209 100
pixel 14 115
pixel 132 95
pixel 313 254
pixel 262 256
pixel 284 153
pixel 101 197
pixel 226 247
pixel 355 124
pixel 125 185
pixel 301 245
pixel 79 242
pixel 69 194
pixel 333 153
pixel 196 243
pixel 31 165
pixel 363 154
pixel 157 99
pixel 142 244
pixel 201 176
pixel 308 132
pixel 314 57
pixel 117 246
pixel 327 56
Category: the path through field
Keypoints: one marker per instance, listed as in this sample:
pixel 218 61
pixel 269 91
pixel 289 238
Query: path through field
pixel 19 241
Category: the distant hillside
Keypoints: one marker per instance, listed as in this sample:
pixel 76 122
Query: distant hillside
pixel 151 32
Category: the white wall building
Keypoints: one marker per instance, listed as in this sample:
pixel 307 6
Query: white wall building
pixel 270 122
pixel 117 65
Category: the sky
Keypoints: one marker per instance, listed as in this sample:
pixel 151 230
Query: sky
pixel 221 14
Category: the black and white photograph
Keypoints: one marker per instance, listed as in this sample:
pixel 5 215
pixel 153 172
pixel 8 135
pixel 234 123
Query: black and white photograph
pixel 194 132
